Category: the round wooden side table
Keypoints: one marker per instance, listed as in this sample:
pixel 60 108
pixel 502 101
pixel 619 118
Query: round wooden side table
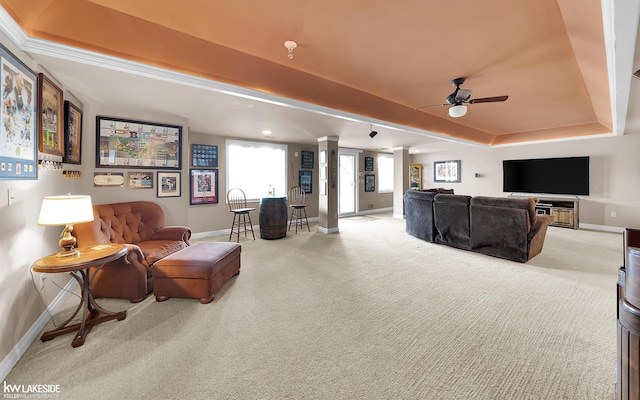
pixel 83 267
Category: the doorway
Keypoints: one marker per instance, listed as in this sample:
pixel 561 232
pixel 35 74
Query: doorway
pixel 347 183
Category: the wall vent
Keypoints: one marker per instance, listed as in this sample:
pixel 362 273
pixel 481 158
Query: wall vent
pixel 637 74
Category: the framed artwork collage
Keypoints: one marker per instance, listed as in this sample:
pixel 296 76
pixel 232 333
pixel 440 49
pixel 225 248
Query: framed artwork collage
pixel 141 145
pixel 203 174
pixel 305 178
pixel 36 123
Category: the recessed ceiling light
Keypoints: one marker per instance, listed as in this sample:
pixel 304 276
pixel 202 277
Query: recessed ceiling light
pixel 266 132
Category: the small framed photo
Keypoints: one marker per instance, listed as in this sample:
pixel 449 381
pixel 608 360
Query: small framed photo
pixel 204 155
pixel 369 183
pixel 72 133
pixel 168 184
pixel 446 171
pixel 140 180
pixel 307 159
pixel 368 163
pixel 204 186
pixel 305 180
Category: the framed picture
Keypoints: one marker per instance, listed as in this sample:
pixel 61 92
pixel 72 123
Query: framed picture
pixel 305 180
pixel 18 116
pixel 137 144
pixel 204 155
pixel 72 133
pixel 168 184
pixel 50 117
pixel 306 159
pixel 368 163
pixel 369 183
pixel 140 180
pixel 204 186
pixel 415 176
pixel 446 171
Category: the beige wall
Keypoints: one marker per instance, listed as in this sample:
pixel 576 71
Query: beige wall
pixel 615 173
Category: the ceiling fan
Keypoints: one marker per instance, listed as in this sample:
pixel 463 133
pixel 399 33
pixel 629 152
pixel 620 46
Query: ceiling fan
pixel 461 96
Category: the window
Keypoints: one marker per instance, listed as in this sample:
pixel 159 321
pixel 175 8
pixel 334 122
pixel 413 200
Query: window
pixel 385 173
pixel 254 166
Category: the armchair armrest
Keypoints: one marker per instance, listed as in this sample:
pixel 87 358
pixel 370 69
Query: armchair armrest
pixel 128 277
pixel 179 233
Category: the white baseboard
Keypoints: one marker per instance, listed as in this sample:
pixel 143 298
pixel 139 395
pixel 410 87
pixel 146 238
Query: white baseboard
pixel 322 229
pixel 375 211
pixel 605 228
pixel 256 228
pixel 23 344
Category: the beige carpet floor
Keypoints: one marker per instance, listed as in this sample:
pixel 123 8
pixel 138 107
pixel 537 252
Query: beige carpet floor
pixel 368 313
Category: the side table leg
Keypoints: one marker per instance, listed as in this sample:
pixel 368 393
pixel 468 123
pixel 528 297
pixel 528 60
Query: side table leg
pixel 63 328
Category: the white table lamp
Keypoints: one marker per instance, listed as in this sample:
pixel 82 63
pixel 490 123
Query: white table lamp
pixel 66 211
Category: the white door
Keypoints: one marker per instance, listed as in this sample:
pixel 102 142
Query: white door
pixel 347 184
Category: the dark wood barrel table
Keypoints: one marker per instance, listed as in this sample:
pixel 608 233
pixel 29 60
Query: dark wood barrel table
pixel 273 217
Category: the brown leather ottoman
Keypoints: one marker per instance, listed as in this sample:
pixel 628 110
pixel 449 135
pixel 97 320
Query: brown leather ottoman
pixel 196 272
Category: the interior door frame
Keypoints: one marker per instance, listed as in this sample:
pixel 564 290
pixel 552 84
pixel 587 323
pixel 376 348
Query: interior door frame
pixel 356 184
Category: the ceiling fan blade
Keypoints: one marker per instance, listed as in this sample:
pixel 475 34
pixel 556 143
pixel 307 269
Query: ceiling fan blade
pixel 435 105
pixel 462 95
pixel 489 99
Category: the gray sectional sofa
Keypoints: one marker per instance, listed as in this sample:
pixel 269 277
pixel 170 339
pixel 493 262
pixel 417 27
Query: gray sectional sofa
pixel 508 228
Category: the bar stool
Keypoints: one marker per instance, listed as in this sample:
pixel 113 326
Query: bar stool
pixel 237 201
pixel 297 201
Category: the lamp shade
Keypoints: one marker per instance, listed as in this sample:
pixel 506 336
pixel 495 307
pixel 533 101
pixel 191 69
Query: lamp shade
pixel 65 210
pixel 458 111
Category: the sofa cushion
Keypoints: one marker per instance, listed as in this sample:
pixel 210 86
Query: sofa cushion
pixel 131 222
pixel 528 204
pixel 155 250
pixel 418 210
pixel 451 216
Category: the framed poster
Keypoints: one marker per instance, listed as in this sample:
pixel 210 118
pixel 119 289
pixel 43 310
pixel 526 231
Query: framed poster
pixel 204 155
pixel 72 133
pixel 50 118
pixel 137 144
pixel 168 184
pixel 446 171
pixel 140 180
pixel 369 183
pixel 368 163
pixel 18 116
pixel 204 186
pixel 305 179
pixel 307 159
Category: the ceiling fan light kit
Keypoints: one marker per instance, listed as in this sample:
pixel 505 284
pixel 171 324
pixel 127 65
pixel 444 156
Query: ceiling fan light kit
pixel 460 97
pixel 458 111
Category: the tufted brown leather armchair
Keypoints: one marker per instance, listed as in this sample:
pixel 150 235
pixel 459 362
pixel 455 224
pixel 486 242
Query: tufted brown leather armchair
pixel 139 225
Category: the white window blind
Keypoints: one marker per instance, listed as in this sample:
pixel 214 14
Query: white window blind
pixel 385 173
pixel 254 166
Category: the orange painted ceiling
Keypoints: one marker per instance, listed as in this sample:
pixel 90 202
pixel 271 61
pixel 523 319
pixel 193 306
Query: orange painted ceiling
pixel 375 58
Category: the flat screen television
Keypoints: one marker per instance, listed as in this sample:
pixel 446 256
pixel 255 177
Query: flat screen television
pixel 567 175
